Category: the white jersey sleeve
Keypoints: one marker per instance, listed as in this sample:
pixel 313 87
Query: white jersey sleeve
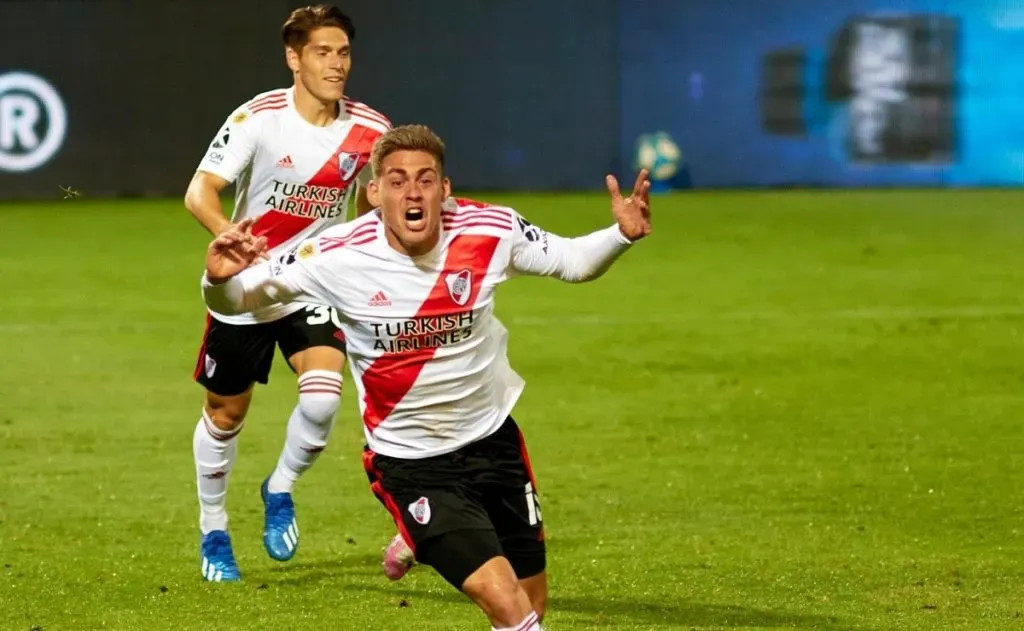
pixel 290 279
pixel 537 252
pixel 233 148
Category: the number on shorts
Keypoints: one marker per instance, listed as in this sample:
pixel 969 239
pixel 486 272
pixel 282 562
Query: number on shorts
pixel 533 505
pixel 319 314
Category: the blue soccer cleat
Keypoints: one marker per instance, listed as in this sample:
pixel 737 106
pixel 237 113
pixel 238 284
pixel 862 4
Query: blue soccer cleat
pixel 218 559
pixel 280 529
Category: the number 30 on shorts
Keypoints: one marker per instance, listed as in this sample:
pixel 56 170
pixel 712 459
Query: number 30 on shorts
pixel 532 505
pixel 319 314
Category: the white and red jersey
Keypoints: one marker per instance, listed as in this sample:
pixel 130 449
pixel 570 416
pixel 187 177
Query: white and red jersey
pixel 428 355
pixel 296 177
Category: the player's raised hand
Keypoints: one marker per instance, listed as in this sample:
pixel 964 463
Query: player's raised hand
pixel 633 213
pixel 233 251
pixel 244 228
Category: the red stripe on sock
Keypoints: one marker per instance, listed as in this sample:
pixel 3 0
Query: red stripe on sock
pixel 319 382
pixel 217 433
pixel 529 622
pixel 319 391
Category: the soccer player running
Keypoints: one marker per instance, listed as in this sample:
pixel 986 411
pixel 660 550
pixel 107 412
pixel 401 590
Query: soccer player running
pixel 414 285
pixel 296 156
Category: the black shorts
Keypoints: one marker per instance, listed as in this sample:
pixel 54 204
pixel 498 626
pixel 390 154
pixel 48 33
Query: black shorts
pixel 459 510
pixel 234 356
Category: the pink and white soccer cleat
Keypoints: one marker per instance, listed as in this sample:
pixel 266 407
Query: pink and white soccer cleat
pixel 398 558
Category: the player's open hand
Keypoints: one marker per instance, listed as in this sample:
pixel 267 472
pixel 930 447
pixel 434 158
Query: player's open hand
pixel 233 251
pixel 633 213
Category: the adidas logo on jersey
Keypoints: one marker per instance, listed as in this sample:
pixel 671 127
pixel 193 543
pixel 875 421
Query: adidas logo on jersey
pixel 380 300
pixel 285 163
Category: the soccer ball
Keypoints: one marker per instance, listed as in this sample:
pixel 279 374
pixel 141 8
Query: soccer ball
pixel 659 154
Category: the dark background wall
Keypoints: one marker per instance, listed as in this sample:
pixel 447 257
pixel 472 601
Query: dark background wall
pixel 524 92
pixel 549 95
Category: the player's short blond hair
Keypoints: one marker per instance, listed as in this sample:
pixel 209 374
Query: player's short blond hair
pixel 406 138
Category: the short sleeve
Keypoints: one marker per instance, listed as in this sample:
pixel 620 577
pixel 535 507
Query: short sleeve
pixel 233 146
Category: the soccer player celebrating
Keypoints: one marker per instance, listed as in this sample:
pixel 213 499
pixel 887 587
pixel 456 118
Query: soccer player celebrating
pixel 414 285
pixel 296 156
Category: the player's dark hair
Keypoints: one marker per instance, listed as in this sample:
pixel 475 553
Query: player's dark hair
pixel 305 20
pixel 406 138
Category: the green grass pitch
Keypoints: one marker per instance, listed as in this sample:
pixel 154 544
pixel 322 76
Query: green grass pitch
pixel 784 410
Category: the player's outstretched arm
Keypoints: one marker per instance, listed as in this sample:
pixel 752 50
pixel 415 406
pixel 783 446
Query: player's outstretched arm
pixel 234 283
pixel 586 258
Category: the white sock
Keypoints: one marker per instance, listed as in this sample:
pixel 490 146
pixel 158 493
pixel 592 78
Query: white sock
pixel 308 428
pixel 529 623
pixel 214 451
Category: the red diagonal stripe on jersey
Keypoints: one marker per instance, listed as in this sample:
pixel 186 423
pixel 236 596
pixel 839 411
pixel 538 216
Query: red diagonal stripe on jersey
pixel 390 377
pixel 279 226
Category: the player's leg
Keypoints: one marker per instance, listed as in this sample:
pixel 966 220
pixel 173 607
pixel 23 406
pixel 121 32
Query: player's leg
pixel 231 358
pixel 309 427
pixel 443 521
pixel 314 346
pixel 536 588
pixel 514 508
pixel 214 448
pixel 496 589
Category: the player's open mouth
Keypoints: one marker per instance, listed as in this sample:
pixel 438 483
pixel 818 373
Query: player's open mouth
pixel 415 218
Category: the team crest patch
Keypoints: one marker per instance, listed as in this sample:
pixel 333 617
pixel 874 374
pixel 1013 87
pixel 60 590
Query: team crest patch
pixel 347 163
pixel 211 366
pixel 306 250
pixel 420 511
pixel 459 286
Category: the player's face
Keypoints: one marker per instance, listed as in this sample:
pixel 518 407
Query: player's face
pixel 410 192
pixel 323 64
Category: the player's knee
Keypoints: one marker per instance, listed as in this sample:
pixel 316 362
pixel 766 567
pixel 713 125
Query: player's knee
pixel 226 414
pixel 320 395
